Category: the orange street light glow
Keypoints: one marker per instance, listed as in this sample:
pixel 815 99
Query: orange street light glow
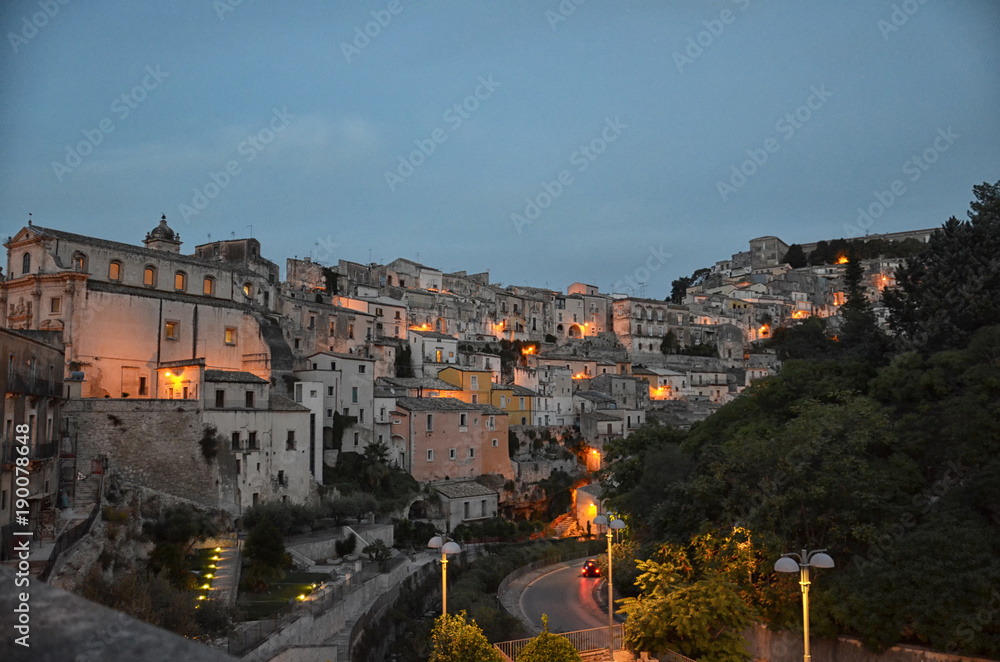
pixel 842 259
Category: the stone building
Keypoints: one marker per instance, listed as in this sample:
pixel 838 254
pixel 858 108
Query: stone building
pixel 31 410
pixel 124 310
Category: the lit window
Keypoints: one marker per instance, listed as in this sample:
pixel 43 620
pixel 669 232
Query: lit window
pixel 180 281
pixel 115 270
pixel 248 289
pixel 171 330
pixel 149 276
pixel 209 286
pixel 79 261
pixel 230 335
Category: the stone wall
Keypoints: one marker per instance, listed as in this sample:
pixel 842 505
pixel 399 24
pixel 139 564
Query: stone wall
pixel 786 646
pixel 532 471
pixel 152 444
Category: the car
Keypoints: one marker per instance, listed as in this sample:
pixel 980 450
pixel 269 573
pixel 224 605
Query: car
pixel 591 569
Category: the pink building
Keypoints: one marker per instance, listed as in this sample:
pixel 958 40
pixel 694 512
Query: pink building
pixel 447 439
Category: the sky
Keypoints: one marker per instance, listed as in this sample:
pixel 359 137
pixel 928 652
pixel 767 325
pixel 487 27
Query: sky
pixel 619 144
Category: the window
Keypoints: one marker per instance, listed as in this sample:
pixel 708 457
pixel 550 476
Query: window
pixel 250 399
pixel 356 439
pixel 143 388
pixel 115 270
pixel 236 441
pixel 26 264
pixel 465 510
pixel 354 394
pixel 171 330
pixel 521 403
pixel 333 365
pixel 252 441
pixel 361 415
pixel 220 398
pixel 329 390
pixel 230 335
pixel 350 331
pixel 79 261
pixel 281 477
pixel 237 467
pixel 475 399
pixel 361 368
pixel 430 422
pixel 248 288
pixel 472 452
pixel 491 425
pixel 180 281
pixel 430 454
pixel 312 321
pixel 452 453
pixel 208 287
pixel 149 276
pixel 290 441
pixel 463 420
pixel 55 305
pixel 474 382
pixel 496 443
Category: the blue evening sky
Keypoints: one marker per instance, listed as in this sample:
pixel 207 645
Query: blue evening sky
pixel 627 123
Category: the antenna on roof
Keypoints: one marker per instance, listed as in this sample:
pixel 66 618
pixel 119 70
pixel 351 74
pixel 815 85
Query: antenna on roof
pixel 210 236
pixel 251 231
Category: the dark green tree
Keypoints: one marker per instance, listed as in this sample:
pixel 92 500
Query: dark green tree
pixel 795 257
pixel 860 334
pixel 670 344
pixel 953 288
pixel 678 289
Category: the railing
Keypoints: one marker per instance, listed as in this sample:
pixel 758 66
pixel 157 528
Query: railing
pixel 243 642
pixel 582 640
pixel 69 537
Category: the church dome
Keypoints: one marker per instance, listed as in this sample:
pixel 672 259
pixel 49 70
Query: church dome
pixel 162 231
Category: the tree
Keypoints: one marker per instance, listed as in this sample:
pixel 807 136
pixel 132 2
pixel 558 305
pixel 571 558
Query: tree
pixel 670 344
pixel 679 609
pixel 547 647
pixel 459 639
pixel 860 333
pixel 404 362
pixel 678 289
pixel 377 551
pixel 266 555
pixel 952 289
pixel 795 257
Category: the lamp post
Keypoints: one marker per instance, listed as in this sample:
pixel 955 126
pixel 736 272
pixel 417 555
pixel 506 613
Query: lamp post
pixel 603 520
pixel 449 547
pixel 815 559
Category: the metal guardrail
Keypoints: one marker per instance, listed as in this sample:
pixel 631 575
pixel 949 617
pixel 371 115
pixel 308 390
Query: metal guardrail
pixel 243 642
pixel 583 641
pixel 70 536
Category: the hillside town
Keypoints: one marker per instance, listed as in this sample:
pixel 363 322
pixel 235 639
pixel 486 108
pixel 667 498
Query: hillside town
pixel 137 355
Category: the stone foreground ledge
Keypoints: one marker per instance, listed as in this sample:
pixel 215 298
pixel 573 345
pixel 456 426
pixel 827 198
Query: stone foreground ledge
pixel 67 628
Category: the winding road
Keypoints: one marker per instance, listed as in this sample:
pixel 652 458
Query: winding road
pixel 566 597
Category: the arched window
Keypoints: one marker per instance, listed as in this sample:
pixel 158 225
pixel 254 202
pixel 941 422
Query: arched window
pixel 248 288
pixel 115 270
pixel 26 264
pixel 180 281
pixel 149 276
pixel 209 288
pixel 79 261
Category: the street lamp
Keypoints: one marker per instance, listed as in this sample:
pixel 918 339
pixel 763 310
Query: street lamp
pixel 602 520
pixel 449 547
pixel 815 559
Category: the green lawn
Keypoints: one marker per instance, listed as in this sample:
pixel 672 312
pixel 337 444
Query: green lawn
pixel 258 606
